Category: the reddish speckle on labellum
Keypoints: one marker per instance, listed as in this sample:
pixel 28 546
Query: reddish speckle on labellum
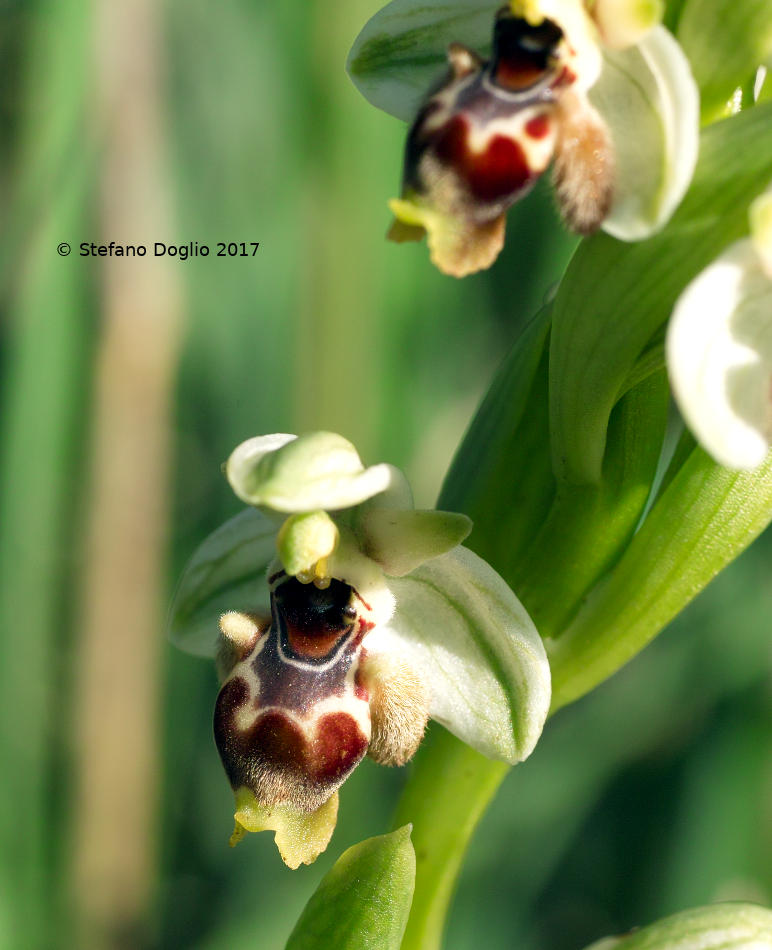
pixel 537 127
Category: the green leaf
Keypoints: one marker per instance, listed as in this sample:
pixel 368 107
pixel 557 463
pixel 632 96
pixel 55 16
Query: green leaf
pixel 465 633
pixel 701 521
pixel 363 901
pixel 226 572
pixel 589 526
pixel 501 475
pixel 614 297
pixel 725 926
pixel 725 40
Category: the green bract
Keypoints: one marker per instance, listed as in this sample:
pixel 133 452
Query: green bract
pixel 363 901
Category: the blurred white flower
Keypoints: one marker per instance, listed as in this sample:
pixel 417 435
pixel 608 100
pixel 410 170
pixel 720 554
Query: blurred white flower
pixel 719 348
pixel 600 90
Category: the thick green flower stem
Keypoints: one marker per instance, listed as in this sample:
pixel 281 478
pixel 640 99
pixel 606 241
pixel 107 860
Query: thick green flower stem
pixel 448 792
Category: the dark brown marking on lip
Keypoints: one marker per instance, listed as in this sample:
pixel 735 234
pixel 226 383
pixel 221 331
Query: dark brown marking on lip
pixel 338 746
pixel 275 758
pixel 499 171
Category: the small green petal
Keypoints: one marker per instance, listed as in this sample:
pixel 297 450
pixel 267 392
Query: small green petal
pixel 402 540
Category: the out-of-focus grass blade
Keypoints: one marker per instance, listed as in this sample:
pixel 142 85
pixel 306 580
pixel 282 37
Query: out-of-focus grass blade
pixel 363 901
pixel 40 443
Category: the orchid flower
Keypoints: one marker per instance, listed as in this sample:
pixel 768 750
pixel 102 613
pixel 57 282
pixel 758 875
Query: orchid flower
pixel 719 348
pixel 599 89
pixel 346 619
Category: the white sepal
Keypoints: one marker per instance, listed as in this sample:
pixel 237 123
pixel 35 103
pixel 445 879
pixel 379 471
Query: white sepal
pixel 650 102
pixel 463 631
pixel 320 470
pixel 719 354
pixel 226 573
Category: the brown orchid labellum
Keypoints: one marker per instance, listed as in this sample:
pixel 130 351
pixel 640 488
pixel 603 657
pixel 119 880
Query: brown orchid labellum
pixel 484 137
pixel 302 701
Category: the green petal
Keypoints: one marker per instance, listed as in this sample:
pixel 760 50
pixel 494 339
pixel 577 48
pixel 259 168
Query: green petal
pixel 363 901
pixel 466 634
pixel 401 52
pixel 401 540
pixel 320 470
pixel 725 926
pixel 650 102
pixel 227 572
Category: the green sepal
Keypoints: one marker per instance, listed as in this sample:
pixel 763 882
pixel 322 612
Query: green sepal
pixel 724 926
pixel 363 901
pixel 615 297
pixel 704 518
pixel 226 572
pixel 726 41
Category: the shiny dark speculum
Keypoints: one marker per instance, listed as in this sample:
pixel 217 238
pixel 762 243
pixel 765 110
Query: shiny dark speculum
pixel 313 609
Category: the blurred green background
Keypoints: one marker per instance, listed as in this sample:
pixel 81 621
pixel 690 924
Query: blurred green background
pixel 125 386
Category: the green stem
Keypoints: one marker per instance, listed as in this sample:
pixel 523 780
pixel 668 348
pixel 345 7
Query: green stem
pixel 448 792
